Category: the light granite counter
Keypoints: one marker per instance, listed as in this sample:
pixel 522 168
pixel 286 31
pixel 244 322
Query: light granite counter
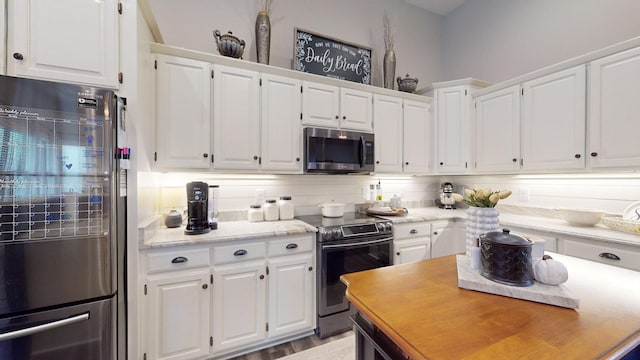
pixel 227 231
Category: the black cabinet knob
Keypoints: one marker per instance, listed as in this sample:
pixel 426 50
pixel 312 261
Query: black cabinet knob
pixel 205 286
pixel 377 162
pixel 344 117
pixel 297 159
pixel 261 277
pixel 594 154
pixel 577 156
pixel 18 56
pixel 337 117
pixel 310 268
pixel 205 155
pixel 406 163
pixel 514 160
pixel 441 163
pixel 255 157
pixel 398 253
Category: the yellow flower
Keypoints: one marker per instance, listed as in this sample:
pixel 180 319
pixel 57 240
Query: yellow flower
pixel 504 194
pixel 457 197
pixel 468 192
pixel 494 198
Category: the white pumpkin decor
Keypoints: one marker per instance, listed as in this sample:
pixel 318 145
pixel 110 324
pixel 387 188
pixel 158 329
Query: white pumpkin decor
pixel 549 271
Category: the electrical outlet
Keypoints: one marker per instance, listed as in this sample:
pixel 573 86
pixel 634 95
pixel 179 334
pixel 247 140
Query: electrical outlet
pixel 523 194
pixel 259 196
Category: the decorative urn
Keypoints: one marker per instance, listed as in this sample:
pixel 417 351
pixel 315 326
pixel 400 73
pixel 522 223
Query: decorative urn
pixel 229 45
pixel 408 84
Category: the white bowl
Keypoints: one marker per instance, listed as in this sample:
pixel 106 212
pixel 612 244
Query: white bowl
pixel 332 209
pixel 581 217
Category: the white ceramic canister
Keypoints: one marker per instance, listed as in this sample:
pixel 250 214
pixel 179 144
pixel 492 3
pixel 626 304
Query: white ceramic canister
pixel 270 209
pixel 255 213
pixel 285 206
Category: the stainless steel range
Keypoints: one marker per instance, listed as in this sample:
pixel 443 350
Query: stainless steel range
pixel 354 242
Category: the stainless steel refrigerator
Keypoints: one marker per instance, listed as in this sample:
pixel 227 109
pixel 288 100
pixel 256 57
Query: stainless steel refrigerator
pixel 62 222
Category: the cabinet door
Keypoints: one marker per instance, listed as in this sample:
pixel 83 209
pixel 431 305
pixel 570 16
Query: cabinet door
pixel 239 305
pixel 418 138
pixel 445 240
pixel 356 110
pixel 497 131
pixel 291 294
pixel 387 117
pixel 177 308
pixel 553 121
pixel 3 27
pixel 614 111
pixel 407 251
pixel 281 129
pixel 236 118
pixel 603 252
pixel 183 113
pixel 320 105
pixel 64 40
pixel 453 129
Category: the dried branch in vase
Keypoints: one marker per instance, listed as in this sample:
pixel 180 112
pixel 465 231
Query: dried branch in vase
pixel 265 5
pixel 388 33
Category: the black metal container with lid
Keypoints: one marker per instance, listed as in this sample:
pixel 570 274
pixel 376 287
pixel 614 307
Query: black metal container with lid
pixel 506 258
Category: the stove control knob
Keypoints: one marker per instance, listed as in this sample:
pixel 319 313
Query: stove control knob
pixel 326 234
pixel 380 227
pixel 337 233
pixel 389 227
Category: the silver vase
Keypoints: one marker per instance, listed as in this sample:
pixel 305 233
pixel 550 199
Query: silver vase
pixel 263 37
pixel 389 68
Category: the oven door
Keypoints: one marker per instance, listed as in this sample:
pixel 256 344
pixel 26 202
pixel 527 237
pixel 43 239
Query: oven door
pixel 337 259
pixel 338 151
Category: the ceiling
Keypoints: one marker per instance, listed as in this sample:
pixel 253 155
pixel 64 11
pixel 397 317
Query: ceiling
pixel 441 7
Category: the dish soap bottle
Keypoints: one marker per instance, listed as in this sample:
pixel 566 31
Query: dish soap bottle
pixel 379 192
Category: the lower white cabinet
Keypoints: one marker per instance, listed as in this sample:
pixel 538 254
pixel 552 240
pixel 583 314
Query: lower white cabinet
pixel 411 242
pixel 550 240
pixel 222 299
pixel 607 253
pixel 177 297
pixel 447 238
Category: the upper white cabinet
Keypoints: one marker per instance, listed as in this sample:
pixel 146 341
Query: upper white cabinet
pixel 553 121
pixel 281 129
pixel 452 118
pixel 497 131
pixel 64 40
pixel 614 111
pixel 183 113
pixel 236 118
pixel 334 107
pixel 418 137
pixel 387 118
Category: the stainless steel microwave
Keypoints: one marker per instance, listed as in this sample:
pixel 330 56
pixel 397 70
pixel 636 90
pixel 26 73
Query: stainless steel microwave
pixel 330 151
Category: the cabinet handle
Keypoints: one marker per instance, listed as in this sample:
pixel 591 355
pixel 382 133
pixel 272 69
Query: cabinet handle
pixel 337 117
pixel 514 160
pixel 344 117
pixel 610 256
pixel 377 162
pixel 406 163
pixel 255 157
pixel 205 286
pixel 261 277
pixel 413 231
pixel 297 159
pixel 179 260
pixel 577 156
pixel 594 154
pixel 441 163
pixel 292 246
pixel 205 155
pixel 435 233
pixel 310 268
pixel 18 56
pixel 398 253
pixel 240 252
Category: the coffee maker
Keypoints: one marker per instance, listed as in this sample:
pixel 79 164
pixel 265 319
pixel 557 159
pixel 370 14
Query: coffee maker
pixel 197 208
pixel 446 199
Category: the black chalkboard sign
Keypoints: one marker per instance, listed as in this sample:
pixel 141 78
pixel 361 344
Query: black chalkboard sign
pixel 322 55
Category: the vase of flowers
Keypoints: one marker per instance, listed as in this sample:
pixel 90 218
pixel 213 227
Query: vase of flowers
pixel 482 215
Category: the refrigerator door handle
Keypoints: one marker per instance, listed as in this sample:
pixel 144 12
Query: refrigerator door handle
pixel 44 327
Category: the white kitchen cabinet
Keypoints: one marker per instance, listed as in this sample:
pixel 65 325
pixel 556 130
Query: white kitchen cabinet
pixel 239 305
pixel 281 129
pixel 183 113
pixel 497 131
pixel 64 40
pixel 454 134
pixel 418 137
pixel 335 107
pixel 176 304
pixel 614 111
pixel 446 240
pixel 236 118
pixel 603 252
pixel 411 242
pixel 553 121
pixel 388 124
pixel 550 239
pixel 3 27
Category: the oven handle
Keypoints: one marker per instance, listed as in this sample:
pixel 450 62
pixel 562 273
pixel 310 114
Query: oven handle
pixel 361 151
pixel 357 244
pixel 44 327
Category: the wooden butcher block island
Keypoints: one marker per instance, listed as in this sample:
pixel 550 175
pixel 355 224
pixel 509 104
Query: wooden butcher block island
pixel 417 311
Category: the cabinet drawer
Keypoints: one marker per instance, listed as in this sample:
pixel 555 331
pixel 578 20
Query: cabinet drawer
pixel 239 252
pixel 603 253
pixel 403 231
pixel 178 260
pixel 291 245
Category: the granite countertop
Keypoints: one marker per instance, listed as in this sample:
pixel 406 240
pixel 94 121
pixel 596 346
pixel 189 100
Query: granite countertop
pixel 227 231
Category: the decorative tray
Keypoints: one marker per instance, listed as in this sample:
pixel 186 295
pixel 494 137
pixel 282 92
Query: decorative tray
pixel 616 222
pixel 557 295
pixel 387 211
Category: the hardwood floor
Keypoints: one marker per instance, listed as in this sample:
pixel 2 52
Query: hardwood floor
pixel 278 351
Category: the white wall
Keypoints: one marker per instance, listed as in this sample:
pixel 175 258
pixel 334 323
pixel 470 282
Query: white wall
pixel 418 39
pixel 495 40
